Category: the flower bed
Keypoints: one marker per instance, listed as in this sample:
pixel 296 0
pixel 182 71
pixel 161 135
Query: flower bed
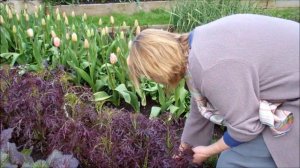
pixel 47 40
pixel 49 114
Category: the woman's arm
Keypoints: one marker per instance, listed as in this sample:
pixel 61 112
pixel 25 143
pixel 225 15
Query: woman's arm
pixel 201 153
pixel 197 130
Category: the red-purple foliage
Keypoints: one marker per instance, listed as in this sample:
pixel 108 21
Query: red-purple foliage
pixel 48 115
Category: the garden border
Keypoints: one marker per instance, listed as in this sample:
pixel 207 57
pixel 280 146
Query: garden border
pixel 129 8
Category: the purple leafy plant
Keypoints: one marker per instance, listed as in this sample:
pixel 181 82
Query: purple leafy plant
pixel 48 114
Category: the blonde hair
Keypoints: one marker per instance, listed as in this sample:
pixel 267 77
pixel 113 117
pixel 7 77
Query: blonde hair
pixel 158 55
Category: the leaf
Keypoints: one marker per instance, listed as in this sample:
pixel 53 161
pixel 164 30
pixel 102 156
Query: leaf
pixel 40 164
pixel 161 96
pixel 155 111
pixel 4 45
pixel 129 97
pixel 85 64
pixel 124 92
pixel 100 96
pixel 101 83
pixel 173 109
pixel 5 137
pixel 14 56
pixel 84 75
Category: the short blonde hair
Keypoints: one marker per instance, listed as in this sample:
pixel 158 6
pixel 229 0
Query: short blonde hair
pixel 158 55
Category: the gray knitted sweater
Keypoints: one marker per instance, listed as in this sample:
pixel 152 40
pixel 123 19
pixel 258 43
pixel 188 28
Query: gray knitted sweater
pixel 235 62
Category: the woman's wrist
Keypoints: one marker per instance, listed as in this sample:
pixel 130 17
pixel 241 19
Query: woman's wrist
pixel 217 147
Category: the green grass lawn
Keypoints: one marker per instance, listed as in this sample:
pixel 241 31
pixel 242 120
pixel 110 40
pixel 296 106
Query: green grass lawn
pixel 287 13
pixel 154 17
pixel 160 16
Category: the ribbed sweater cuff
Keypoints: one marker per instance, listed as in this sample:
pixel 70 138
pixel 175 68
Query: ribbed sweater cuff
pixel 230 141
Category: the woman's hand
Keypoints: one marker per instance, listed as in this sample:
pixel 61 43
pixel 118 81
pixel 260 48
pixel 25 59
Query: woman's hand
pixel 201 154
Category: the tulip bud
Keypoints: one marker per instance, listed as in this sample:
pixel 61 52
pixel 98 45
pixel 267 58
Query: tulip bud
pixel 138 30
pixel 67 36
pixel 118 50
pixel 53 34
pixel 113 58
pixel 40 7
pixel 1 20
pixel 73 14
pixel 74 37
pixel 136 23
pixel 18 17
pixel 36 15
pixel 64 14
pixel 86 44
pixel 43 22
pixel 73 27
pixel 106 30
pixel 112 20
pixel 84 17
pixel 92 32
pixel 14 29
pixel 124 24
pixel 26 17
pixel 30 32
pixel 129 44
pixel 7 8
pixel 100 22
pixel 57 11
pixel 48 17
pixel 56 41
pixel 88 33
pixel 122 35
pixel 58 17
pixel 9 13
pixel 66 21
pixel 103 32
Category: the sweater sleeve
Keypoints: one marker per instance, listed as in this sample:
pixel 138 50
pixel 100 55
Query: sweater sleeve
pixel 232 87
pixel 197 130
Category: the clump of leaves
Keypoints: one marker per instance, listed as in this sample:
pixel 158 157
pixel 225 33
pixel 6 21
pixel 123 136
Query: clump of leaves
pixel 31 104
pixel 11 157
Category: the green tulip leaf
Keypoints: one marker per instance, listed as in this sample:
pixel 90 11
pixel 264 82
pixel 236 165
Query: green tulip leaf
pixel 155 111
pixel 101 96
